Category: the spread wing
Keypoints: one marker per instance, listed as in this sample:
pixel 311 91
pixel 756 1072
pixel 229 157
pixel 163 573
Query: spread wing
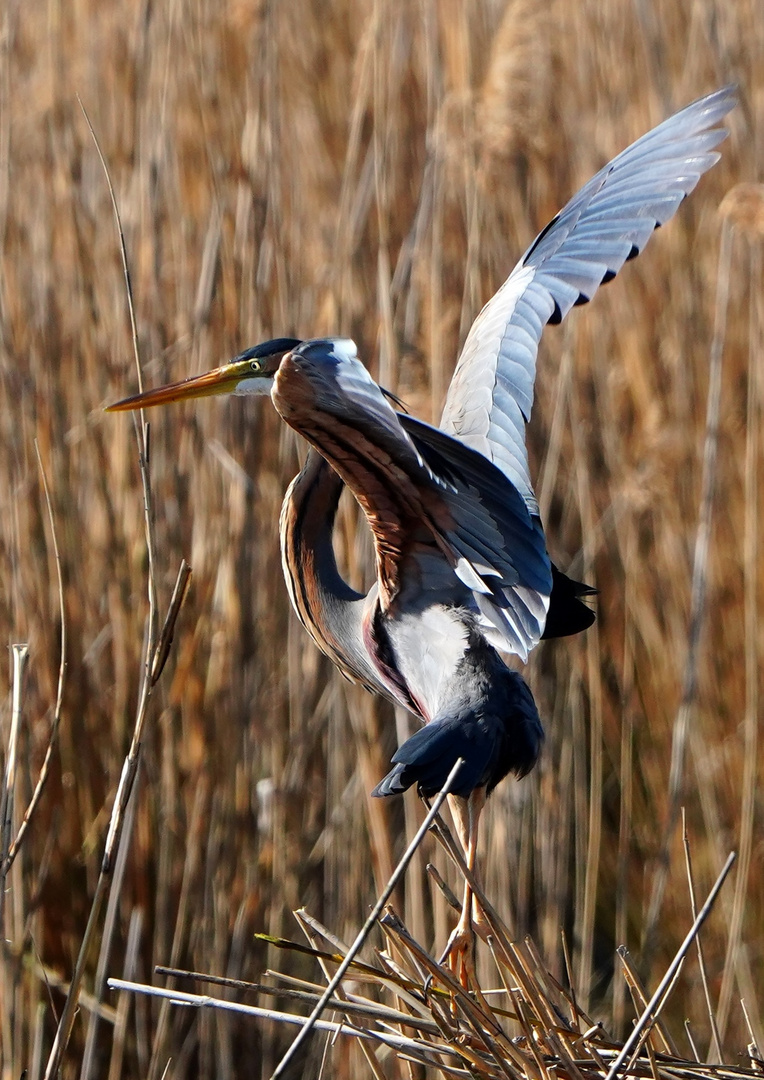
pixel 608 222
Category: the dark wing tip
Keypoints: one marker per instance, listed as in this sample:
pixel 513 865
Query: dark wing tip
pixel 568 614
pixel 394 399
pixel 556 317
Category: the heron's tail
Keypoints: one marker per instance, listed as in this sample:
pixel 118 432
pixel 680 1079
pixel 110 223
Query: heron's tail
pixel 428 756
pixel 493 740
pixel 568 614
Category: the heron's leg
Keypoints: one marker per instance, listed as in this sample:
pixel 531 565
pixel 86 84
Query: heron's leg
pixel 460 951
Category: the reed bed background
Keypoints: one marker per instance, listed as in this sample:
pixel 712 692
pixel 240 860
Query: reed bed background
pixel 371 169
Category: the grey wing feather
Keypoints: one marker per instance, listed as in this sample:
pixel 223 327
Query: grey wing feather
pixel 498 546
pixel 606 223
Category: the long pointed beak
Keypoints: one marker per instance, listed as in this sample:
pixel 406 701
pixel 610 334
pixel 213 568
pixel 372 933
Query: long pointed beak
pixel 222 380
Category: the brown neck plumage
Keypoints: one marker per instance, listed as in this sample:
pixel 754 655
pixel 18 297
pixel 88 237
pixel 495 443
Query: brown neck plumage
pixel 324 602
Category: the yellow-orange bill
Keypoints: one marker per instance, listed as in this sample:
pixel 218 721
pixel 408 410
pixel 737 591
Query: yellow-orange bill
pixel 222 380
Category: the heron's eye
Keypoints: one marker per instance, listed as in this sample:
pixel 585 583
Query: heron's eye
pixel 254 365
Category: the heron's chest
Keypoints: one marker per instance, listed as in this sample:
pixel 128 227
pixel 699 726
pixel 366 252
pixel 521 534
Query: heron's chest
pixel 428 648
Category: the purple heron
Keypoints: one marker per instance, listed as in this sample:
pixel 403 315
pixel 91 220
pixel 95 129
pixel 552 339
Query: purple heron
pixel 462 570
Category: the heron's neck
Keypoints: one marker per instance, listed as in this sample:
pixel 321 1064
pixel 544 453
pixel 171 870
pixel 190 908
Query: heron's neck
pixel 329 609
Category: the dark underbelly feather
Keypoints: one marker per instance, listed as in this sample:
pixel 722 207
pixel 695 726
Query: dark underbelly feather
pixel 490 720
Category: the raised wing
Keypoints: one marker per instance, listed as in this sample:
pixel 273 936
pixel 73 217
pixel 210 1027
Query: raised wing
pixel 608 222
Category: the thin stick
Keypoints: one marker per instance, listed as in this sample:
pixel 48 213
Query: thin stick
pixel 367 926
pixel 313 934
pixel 142 429
pixel 120 1027
pixel 53 737
pixel 20 654
pixel 64 1029
pixel 448 895
pixel 691 1041
pixel 701 958
pixel 107 937
pixel 168 628
pixel 639 995
pixel 665 982
pixel 179 997
pixel 571 981
pixel 190 870
pixel 364 1007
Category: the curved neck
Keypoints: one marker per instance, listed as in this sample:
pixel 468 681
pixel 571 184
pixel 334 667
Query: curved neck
pixel 329 609
pixel 330 399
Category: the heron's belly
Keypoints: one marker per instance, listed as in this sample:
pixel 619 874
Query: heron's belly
pixel 429 646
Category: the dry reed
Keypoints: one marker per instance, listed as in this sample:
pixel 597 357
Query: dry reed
pixel 371 169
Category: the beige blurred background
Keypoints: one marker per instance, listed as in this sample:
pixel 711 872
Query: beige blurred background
pixel 372 168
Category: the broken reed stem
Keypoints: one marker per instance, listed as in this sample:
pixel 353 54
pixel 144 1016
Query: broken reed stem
pixel 120 1027
pixel 691 1040
pixel 13 850
pixel 111 853
pixel 66 1021
pixel 167 633
pixel 701 959
pixel 107 935
pixel 190 867
pixel 20 654
pixel 639 995
pixel 178 997
pixel 657 999
pixel 571 980
pixel 370 922
pixel 348 1004
pixel 312 934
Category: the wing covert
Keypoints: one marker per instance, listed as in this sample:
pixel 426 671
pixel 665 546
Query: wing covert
pixel 496 547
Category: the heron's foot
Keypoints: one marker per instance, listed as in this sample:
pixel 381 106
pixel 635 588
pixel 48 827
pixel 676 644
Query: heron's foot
pixel 460 952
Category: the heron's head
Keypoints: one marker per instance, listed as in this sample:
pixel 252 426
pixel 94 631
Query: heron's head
pixel 251 372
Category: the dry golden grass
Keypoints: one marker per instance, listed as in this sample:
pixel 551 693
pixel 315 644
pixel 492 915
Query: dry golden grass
pixel 371 169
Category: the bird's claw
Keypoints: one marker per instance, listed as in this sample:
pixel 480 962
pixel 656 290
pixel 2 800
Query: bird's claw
pixel 459 953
